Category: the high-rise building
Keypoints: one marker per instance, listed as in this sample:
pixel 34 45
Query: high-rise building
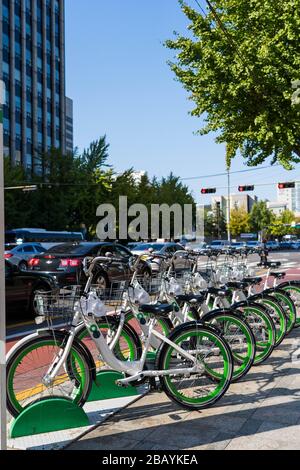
pixel 290 197
pixel 32 65
pixel 69 126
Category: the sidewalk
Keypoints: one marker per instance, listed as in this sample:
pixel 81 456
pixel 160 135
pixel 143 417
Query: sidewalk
pixel 261 412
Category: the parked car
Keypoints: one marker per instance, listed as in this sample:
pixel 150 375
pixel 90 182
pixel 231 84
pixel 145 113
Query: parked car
pixel 167 249
pixel 219 245
pixel 295 245
pixel 254 245
pixel 21 254
pixel 197 247
pixel 285 245
pixel 237 245
pixel 64 263
pixel 272 245
pixel 21 287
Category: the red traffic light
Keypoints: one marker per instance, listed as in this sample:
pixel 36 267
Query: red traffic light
pixel 245 188
pixel 286 185
pixel 208 191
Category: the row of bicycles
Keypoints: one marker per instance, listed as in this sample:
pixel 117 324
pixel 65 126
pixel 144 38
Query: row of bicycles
pixel 189 335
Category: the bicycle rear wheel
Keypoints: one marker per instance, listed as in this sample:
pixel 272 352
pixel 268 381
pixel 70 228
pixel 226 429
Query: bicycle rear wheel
pixel 239 337
pixel 278 315
pixel 213 356
pixel 294 291
pixel 262 327
pixel 28 363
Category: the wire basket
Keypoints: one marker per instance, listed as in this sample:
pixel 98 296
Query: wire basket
pixel 112 296
pixel 58 304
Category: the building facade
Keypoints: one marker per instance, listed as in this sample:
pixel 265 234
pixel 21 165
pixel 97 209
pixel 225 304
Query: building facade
pixel 237 201
pixel 291 198
pixel 69 126
pixel 32 65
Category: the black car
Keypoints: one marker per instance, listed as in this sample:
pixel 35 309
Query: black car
pixel 20 289
pixel 64 263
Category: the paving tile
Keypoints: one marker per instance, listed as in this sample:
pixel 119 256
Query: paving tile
pixel 260 412
pixel 104 443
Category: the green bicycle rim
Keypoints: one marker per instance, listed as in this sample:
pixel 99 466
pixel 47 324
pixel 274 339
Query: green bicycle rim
pixel 265 348
pixel 280 334
pixel 19 358
pixel 296 289
pixel 292 317
pixel 172 389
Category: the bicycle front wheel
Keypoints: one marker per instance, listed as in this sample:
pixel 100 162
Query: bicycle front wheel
pixel 239 338
pixel 28 363
pixel 213 356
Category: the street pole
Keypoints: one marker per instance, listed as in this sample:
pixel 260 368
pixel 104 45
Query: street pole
pixel 3 442
pixel 228 205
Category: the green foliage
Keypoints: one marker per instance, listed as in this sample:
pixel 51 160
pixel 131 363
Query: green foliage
pixel 260 217
pixel 240 80
pixel 239 222
pixel 71 187
pixel 282 225
pixel 215 225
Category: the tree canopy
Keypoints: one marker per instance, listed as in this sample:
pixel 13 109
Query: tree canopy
pixel 238 68
pixel 72 187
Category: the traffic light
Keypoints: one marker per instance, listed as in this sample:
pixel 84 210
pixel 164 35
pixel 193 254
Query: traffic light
pixel 208 191
pixel 286 185
pixel 245 188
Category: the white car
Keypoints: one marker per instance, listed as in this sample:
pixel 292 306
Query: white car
pixel 19 255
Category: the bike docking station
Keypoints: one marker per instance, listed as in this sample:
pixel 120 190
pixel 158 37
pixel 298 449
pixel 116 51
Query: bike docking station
pixel 55 422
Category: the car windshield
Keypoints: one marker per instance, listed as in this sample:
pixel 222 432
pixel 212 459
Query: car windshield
pixel 148 246
pixel 217 243
pixel 81 249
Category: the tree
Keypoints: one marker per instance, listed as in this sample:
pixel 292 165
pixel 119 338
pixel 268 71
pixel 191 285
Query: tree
pixel 239 222
pixel 281 225
pixel 260 217
pixel 239 73
pixel 214 223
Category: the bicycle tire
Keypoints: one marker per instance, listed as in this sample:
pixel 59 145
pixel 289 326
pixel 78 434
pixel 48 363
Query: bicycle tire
pixel 22 391
pixel 181 335
pixel 225 321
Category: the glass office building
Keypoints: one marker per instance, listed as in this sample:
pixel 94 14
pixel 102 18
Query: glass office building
pixel 32 63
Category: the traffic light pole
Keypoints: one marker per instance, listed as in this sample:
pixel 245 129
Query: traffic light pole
pixel 228 206
pixel 3 419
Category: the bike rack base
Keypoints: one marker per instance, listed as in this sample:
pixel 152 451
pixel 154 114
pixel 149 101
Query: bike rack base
pixel 53 414
pixel 105 388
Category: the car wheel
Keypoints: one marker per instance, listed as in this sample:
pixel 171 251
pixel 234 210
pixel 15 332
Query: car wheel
pixel 101 281
pixel 23 266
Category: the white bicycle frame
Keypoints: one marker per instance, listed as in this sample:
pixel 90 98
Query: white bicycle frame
pixel 135 369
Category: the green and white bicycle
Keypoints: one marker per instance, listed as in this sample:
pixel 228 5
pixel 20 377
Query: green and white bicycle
pixel 193 366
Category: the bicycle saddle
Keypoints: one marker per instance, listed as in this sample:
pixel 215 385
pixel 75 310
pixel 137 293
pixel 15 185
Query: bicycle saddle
pixel 252 280
pixel 272 264
pixel 278 275
pixel 199 299
pixel 237 285
pixel 156 309
pixel 221 292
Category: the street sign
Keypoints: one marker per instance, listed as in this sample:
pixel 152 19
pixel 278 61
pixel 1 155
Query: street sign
pixel 250 236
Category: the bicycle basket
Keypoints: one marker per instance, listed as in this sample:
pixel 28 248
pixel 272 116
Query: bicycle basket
pixel 58 304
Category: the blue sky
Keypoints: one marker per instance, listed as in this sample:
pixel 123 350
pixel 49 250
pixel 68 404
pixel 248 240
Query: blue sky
pixel 118 77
